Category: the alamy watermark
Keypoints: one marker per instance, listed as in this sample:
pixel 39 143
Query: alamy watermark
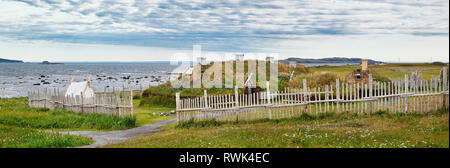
pixel 228 70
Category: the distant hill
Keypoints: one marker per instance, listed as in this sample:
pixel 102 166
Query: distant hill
pixel 330 60
pixel 10 61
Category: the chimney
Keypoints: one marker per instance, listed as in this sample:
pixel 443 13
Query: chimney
pixel 201 60
pixel 364 64
pixel 239 57
pixel 269 59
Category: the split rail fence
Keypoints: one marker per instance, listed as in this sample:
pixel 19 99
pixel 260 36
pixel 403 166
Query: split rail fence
pixel 407 96
pixel 118 103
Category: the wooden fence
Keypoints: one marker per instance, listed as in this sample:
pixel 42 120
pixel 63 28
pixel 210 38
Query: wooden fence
pixel 407 95
pixel 118 103
pixel 137 90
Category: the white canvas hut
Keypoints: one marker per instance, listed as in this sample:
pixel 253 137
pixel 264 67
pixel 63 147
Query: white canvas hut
pixel 80 89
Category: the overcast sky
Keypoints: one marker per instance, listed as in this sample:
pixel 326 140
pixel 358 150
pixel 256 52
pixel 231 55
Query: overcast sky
pixel 149 30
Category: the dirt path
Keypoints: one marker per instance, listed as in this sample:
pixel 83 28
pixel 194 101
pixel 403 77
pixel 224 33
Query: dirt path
pixel 111 137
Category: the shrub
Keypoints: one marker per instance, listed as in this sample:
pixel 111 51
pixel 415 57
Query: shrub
pixel 136 97
pixel 199 124
pixel 314 80
pixel 306 117
pixel 381 112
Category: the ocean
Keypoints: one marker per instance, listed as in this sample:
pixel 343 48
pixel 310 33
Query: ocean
pixel 16 79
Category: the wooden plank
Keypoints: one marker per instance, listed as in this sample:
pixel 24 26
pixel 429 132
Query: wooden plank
pixel 445 86
pixel 347 97
pixel 343 97
pixel 332 98
pixel 315 99
pixel 406 93
pixel 178 105
pixel 338 97
pixel 370 93
pixel 326 99
pixel 366 95
pixel 351 98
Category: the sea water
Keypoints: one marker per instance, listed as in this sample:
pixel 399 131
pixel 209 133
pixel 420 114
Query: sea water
pixel 16 79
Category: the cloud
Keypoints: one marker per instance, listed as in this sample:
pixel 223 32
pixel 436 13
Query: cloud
pixel 222 25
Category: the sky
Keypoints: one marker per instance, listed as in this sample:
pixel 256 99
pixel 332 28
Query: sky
pixel 154 30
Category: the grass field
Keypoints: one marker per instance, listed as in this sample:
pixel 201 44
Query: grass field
pixel 15 112
pixel 391 71
pixel 23 126
pixel 381 130
pixel 147 114
pixel 150 113
pixel 17 137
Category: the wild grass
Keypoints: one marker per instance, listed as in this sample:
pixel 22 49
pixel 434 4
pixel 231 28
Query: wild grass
pixel 147 114
pixel 389 71
pixel 164 95
pixel 315 79
pixel 25 127
pixel 15 137
pixel 199 124
pixel 15 112
pixel 343 130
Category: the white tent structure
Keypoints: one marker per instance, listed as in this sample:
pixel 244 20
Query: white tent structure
pixel 80 89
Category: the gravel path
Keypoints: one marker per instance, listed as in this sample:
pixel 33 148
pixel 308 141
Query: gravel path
pixel 112 137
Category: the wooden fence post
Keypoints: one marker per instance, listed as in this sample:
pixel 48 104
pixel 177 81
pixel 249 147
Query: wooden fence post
pixel 236 101
pixel 45 98
pixel 236 96
pixel 82 102
pixel 406 93
pixel 131 102
pixel 305 90
pixel 370 93
pixel 177 100
pixel 337 96
pixel 205 96
pixel 444 78
pixel 268 96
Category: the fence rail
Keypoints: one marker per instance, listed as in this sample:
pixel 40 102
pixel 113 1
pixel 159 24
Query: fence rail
pixel 407 95
pixel 118 103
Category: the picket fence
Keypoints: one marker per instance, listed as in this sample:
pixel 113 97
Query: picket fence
pixel 407 96
pixel 117 102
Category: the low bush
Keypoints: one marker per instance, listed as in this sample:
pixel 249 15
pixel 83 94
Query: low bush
pixel 199 124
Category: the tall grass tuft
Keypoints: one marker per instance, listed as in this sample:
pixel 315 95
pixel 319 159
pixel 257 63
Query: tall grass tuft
pixel 199 124
pixel 15 137
pixel 15 112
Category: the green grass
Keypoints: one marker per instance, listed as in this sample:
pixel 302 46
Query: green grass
pixel 15 137
pixel 147 114
pixel 25 127
pixel 15 112
pixel 380 130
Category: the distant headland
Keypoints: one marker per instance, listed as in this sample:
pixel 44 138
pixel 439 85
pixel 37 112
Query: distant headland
pixel 10 61
pixel 47 62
